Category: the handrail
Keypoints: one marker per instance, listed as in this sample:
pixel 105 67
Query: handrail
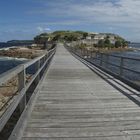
pixel 103 61
pixel 138 72
pixel 124 57
pixel 20 100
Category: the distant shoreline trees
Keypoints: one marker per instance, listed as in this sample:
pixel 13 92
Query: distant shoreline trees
pixel 70 36
pixel 41 39
pixel 107 44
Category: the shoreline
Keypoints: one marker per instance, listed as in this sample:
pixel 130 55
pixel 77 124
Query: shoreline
pixel 12 58
pixel 111 50
pixel 20 52
pixel 6 48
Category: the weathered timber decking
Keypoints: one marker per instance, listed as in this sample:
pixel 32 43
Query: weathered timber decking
pixel 74 103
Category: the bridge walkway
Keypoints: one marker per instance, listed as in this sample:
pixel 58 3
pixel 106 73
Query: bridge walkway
pixel 75 103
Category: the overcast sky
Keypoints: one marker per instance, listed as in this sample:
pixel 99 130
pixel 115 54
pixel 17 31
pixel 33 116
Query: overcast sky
pixel 23 19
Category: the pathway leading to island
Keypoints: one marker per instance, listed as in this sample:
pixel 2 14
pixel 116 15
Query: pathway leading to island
pixel 74 103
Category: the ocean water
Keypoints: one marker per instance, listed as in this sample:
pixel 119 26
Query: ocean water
pixel 135 45
pixel 134 65
pixel 10 44
pixel 7 63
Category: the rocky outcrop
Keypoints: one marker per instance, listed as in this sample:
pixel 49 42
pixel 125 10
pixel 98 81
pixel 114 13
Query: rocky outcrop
pixel 21 53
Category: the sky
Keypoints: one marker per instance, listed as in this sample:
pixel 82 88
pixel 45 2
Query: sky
pixel 24 19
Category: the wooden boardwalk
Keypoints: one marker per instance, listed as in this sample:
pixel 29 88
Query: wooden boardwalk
pixel 74 103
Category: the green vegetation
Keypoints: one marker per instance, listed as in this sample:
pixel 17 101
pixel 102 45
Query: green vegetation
pixel 60 36
pixel 110 41
pixel 120 42
pixel 41 39
pixel 100 44
pixel 19 41
pixel 106 43
pixel 68 35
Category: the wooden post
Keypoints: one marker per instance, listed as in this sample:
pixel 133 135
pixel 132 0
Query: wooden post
pixel 46 56
pixel 37 66
pixel 21 85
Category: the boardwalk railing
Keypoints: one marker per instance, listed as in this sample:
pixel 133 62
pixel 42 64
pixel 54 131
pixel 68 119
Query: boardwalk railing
pixel 126 69
pixel 25 87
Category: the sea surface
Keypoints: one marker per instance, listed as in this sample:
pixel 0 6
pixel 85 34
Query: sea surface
pixel 129 63
pixel 7 63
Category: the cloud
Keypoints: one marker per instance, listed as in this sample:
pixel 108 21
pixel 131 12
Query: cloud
pixel 118 16
pixel 47 29
pixel 41 29
pixel 121 16
pixel 117 12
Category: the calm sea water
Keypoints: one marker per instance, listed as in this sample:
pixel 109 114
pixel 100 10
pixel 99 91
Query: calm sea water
pixel 135 45
pixel 128 63
pixel 7 63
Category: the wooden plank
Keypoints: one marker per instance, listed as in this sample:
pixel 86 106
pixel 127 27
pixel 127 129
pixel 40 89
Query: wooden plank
pixel 79 132
pixel 124 124
pixel 74 103
pixel 135 137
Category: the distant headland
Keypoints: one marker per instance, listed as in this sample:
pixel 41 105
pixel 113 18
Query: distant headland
pixel 106 42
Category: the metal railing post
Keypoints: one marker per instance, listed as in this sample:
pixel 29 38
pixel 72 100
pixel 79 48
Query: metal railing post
pixel 121 66
pixel 87 53
pixel 96 56
pixel 91 54
pixel 84 52
pixel 101 59
pixel 107 61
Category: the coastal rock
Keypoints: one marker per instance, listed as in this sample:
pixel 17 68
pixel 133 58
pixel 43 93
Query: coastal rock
pixel 21 52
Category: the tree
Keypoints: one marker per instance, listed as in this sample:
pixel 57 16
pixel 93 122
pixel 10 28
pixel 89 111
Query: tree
pixel 71 37
pixel 41 39
pixel 107 37
pixel 56 37
pixel 85 35
pixel 124 43
pixel 118 44
pixel 101 44
pixel 107 43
